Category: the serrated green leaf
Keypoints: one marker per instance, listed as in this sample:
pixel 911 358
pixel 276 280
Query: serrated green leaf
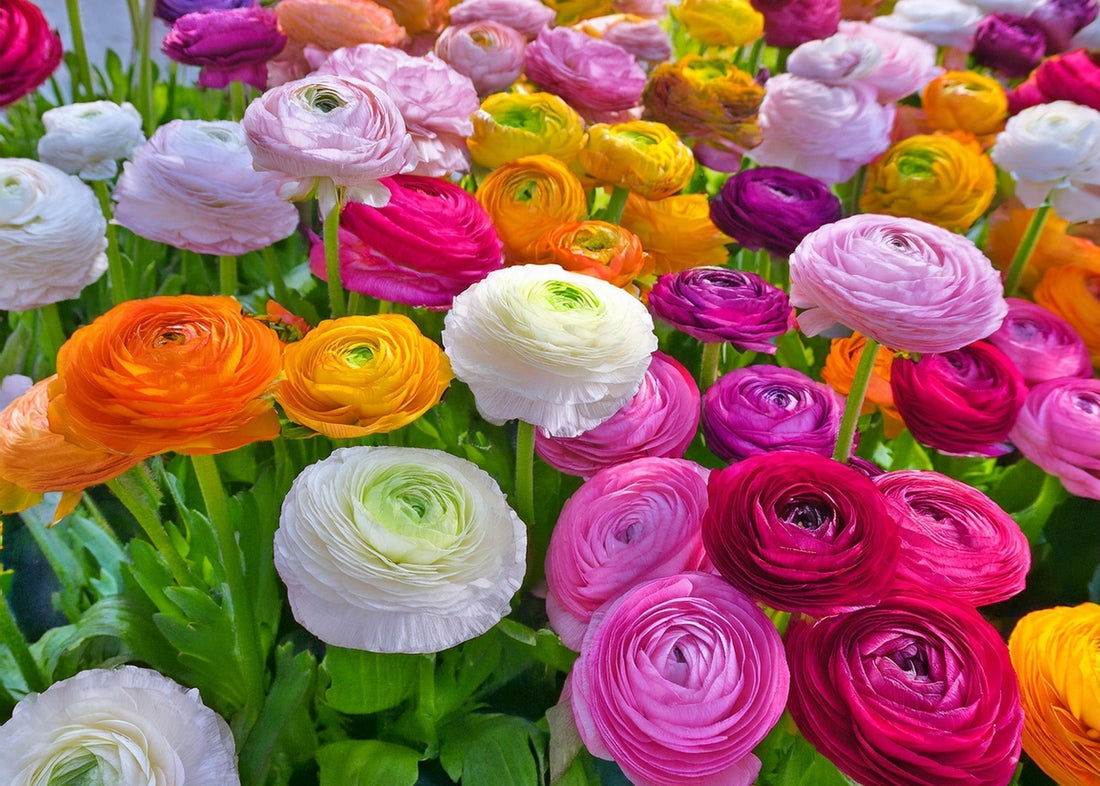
pixel 368 763
pixel 492 749
pixel 366 682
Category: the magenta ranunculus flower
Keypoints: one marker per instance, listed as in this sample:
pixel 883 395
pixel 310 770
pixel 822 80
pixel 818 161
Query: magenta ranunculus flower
pixel 678 680
pixel 757 409
pixel 427 245
pixel 631 522
pixel 527 16
pixel 801 532
pixel 954 539
pixel 1040 343
pixel 29 50
pixel 660 420
pixel 231 45
pixel 962 402
pixel 595 77
pixel 917 691
pixel 1057 429
pixel 435 100
pixel 717 304
pixel 788 23
pixel 489 53
pixel 1008 43
pixel 909 285
pixel 171 10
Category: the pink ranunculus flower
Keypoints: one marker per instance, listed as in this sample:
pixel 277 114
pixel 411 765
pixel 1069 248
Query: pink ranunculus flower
pixel 650 9
pixel 660 420
pixel 644 38
pixel 435 100
pixel 630 522
pixel 231 44
pixel 821 131
pixel 529 17
pixel 909 285
pixel 1041 344
pixel 788 23
pixel 949 23
pixel 1057 429
pixel 29 50
pixel 678 680
pixel 427 245
pixel 213 202
pixel 329 132
pixel 488 52
pixel 908 63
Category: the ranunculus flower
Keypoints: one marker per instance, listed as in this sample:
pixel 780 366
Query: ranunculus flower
pixel 840 370
pixel 88 139
pixel 905 283
pixel 1011 44
pixel 1057 430
pixel 435 101
pixel 837 60
pixel 965 101
pixel 645 39
pixel 1054 248
pixel 630 522
pixel 52 235
pixel 788 23
pixel 420 18
pixel 528 197
pixel 1061 20
pixel 391 549
pixel 1073 293
pixel 955 540
pixel 430 242
pixel 660 420
pixel 645 157
pixel 488 53
pixel 31 51
pixel 596 248
pixel 215 203
pixel 513 125
pixel 330 132
pixel 758 409
pixel 801 532
pixel 331 24
pixel 171 10
pixel 773 208
pixel 555 349
pixel 1054 149
pixel 906 65
pixel 186 373
pixel 127 725
pixel 720 22
pixel 1073 76
pixel 821 131
pixel 355 376
pixel 529 17
pixel 961 402
pixel 231 45
pixel 917 691
pixel 949 23
pixel 678 680
pixel 677 231
pixel 1054 654
pixel 595 77
pixel 1041 344
pixel 718 304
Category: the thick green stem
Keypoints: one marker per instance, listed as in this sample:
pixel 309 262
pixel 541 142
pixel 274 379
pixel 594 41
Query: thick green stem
pixel 754 57
pixel 236 100
pixel 355 303
pixel 525 472
pixel 116 273
pixel 613 213
pixel 1027 245
pixel 84 78
pixel 227 275
pixel 19 649
pixel 708 368
pixel 854 403
pixel 51 335
pixel 151 525
pixel 332 262
pixel 145 70
pixel 275 273
pixel 856 183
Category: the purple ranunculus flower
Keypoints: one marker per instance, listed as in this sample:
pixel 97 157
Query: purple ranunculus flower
pixel 171 10
pixel 1057 429
pixel 231 45
pixel 788 23
pixel 1060 20
pixel 1041 344
pixel 773 208
pixel 1013 45
pixel 716 304
pixel 762 408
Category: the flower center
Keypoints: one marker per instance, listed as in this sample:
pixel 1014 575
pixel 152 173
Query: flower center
pixel 806 513
pixel 359 356
pixel 913 660
pixel 1087 403
pixel 322 99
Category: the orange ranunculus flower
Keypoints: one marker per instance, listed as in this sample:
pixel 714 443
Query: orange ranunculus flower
pixel 355 376
pixel 528 197
pixel 419 16
pixel 719 22
pixel 1054 654
pixel 331 24
pixel 1055 247
pixel 944 179
pixel 840 369
pixel 676 232
pixel 1073 293
pixel 596 248
pixel 645 157
pixel 34 460
pixel 966 101
pixel 186 373
pixel 513 125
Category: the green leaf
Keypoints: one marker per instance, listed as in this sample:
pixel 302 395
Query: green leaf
pixel 543 645
pixel 366 682
pixel 904 452
pixel 368 763
pixel 1029 495
pixel 788 759
pixel 496 749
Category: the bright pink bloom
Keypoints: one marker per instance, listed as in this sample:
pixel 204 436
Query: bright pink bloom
pixel 593 76
pixel 1057 429
pixel 29 50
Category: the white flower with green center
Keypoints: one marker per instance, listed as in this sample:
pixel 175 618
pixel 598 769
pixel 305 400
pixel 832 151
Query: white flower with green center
pixel 555 349
pixel 112 727
pixel 391 549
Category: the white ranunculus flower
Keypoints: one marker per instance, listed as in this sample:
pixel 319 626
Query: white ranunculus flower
pixel 1054 149
pixel 942 22
pixel 53 239
pixel 129 726
pixel 88 139
pixel 391 549
pixel 555 349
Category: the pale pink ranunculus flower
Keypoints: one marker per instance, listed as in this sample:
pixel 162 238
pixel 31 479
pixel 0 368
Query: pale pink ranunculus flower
pixel 650 9
pixel 435 100
pixel 904 66
pixel 641 37
pixel 529 17
pixel 821 131
pixel 192 186
pixel 488 52
pixel 1057 429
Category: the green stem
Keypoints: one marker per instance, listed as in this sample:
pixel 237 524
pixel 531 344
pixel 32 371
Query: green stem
pixel 355 303
pixel 854 403
pixel 227 275
pixel 1027 245
pixel 145 70
pixel 84 77
pixel 275 273
pixel 525 472
pixel 613 213
pixel 708 368
pixel 116 273
pixel 51 335
pixel 236 100
pixel 332 262
pixel 19 649
pixel 754 57
pixel 857 182
pixel 150 523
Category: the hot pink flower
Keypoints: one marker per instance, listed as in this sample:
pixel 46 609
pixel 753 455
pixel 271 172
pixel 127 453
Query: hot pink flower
pixel 29 50
pixel 788 23
pixel 231 44
pixel 1057 430
pixel 1041 344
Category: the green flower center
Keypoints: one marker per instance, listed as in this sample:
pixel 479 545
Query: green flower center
pixel 322 99
pixel 359 356
pixel 80 768
pixel 916 165
pixel 564 296
pixel 522 118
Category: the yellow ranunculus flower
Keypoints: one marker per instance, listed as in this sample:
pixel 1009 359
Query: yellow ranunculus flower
pixel 720 22
pixel 354 376
pixel 1054 653
pixel 1055 246
pixel 646 157
pixel 513 125
pixel 1073 293
pixel 944 179
pixel 965 101
pixel 676 232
